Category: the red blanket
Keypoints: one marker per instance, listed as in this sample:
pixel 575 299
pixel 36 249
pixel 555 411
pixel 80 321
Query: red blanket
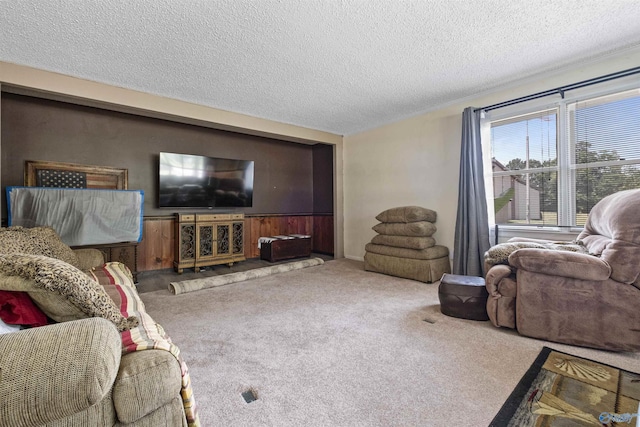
pixel 16 308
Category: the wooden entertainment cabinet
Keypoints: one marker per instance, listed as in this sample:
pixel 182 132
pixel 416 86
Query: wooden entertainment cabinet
pixel 208 239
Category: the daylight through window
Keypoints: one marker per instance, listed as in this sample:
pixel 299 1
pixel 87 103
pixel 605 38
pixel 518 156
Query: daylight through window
pixel 547 174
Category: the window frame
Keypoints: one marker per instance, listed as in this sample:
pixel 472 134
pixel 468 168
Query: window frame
pixel 565 147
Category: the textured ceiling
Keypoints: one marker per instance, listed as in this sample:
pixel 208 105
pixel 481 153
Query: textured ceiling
pixel 340 66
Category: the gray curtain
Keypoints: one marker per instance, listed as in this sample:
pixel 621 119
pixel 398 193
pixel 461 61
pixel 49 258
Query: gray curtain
pixel 472 223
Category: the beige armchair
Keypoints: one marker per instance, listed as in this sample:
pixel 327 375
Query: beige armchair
pixel 587 297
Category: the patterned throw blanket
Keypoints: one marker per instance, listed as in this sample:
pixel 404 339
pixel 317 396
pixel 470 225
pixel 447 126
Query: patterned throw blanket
pixel 499 254
pixel 148 334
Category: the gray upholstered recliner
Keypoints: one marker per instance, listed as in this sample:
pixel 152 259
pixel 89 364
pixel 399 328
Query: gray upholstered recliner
pixel 589 299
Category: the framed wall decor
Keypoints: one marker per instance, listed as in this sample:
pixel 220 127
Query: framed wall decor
pixel 71 175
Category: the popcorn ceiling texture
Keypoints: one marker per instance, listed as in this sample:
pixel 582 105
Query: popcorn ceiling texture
pixel 338 66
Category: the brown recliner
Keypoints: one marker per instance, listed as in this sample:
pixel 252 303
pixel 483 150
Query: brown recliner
pixel 587 299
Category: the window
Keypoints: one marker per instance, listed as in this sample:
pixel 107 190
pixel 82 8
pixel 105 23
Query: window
pixel 551 166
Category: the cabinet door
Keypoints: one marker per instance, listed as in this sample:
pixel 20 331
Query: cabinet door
pixel 223 239
pixel 238 238
pixel 206 240
pixel 187 243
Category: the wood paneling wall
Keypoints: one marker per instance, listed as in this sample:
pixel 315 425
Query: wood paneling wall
pixel 155 251
pixel 323 234
pixel 256 227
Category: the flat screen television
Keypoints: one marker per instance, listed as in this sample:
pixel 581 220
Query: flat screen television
pixel 191 181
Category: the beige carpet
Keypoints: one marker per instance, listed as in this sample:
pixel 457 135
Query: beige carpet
pixel 333 345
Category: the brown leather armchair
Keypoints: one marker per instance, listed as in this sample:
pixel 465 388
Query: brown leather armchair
pixel 589 298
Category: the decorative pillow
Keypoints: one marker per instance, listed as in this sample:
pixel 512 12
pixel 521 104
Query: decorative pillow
pixel 407 214
pixel 70 284
pixel 36 241
pixel 408 242
pixel 15 240
pixel 53 246
pixel 434 252
pixel 420 228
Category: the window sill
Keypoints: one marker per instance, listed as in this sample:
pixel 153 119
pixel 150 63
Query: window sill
pixel 505 232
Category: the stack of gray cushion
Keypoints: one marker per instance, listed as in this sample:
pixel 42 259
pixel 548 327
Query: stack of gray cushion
pixel 404 245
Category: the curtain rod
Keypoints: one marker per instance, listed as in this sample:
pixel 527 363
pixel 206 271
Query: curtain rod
pixel 562 89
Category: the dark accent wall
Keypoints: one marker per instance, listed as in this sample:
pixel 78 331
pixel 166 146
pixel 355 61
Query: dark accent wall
pixel 290 178
pixel 323 178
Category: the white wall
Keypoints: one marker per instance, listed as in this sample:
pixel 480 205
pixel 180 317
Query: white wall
pixel 413 162
pixel 416 161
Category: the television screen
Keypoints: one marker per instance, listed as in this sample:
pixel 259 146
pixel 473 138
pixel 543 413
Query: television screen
pixel 204 182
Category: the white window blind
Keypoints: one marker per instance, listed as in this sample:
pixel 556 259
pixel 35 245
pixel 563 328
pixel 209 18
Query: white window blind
pixel 604 148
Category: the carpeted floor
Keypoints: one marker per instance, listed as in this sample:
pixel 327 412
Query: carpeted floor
pixel 333 345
